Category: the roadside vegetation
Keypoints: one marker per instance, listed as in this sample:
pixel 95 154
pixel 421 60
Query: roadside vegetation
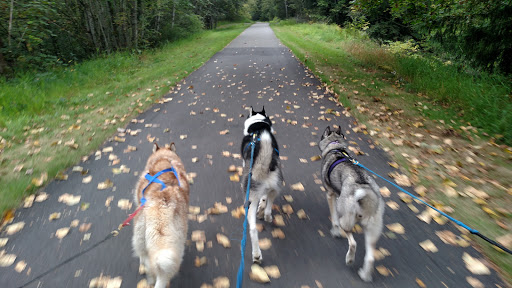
pixel 51 119
pixel 441 126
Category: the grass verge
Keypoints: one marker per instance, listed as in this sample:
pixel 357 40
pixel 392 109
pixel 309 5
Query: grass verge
pixel 418 110
pixel 49 120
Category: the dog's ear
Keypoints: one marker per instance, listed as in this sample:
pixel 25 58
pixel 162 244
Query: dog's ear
pixel 252 113
pixel 327 131
pixel 263 112
pixel 172 147
pixel 155 147
pixel 340 133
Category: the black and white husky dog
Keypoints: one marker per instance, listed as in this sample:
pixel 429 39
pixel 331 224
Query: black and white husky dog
pixel 353 196
pixel 267 177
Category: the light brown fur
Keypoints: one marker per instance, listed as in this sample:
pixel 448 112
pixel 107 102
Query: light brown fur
pixel 160 228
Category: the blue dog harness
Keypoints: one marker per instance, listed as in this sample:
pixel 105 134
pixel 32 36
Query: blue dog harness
pixel 154 179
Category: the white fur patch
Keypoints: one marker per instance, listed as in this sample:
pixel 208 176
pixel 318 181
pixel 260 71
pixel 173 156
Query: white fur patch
pixel 252 120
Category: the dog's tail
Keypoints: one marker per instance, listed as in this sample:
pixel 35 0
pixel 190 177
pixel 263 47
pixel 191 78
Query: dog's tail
pixel 166 267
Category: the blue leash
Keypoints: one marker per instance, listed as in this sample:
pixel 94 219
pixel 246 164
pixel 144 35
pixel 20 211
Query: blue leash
pixel 473 231
pixel 240 275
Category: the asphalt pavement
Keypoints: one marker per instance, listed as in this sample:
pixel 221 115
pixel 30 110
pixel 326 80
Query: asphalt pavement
pixel 204 116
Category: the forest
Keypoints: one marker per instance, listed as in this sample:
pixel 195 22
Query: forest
pixel 39 34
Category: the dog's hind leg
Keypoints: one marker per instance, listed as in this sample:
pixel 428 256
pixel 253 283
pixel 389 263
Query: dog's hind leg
pixel 331 200
pixel 251 218
pixel 261 207
pixel 352 245
pixel 272 194
pixel 370 237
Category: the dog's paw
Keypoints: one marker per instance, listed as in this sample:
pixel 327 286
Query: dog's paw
pixel 349 259
pixel 336 232
pixel 365 276
pixel 257 259
pixel 260 214
pixel 268 218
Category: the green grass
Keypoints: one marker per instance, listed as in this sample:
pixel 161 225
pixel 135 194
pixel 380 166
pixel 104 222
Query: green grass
pixel 483 101
pixel 361 72
pixel 87 102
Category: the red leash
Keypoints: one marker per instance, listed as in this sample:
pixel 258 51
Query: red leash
pixel 130 217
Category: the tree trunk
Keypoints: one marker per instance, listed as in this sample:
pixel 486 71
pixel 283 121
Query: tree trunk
pixel 11 10
pixel 286 9
pixel 173 13
pixel 135 28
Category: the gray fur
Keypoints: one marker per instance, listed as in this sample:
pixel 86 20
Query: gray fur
pixel 265 184
pixel 353 197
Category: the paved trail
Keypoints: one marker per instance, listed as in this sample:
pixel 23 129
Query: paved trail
pixel 255 69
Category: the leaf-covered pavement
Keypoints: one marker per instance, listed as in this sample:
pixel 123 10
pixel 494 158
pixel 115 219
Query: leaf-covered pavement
pixel 204 117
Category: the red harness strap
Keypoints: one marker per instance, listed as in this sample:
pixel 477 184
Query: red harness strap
pixel 130 217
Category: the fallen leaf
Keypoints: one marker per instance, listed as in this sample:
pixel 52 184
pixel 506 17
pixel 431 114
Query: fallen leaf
pixel 198 235
pixel 221 282
pixel 450 192
pixel 224 132
pixel 475 283
pixel 3 242
pixel 87 179
pixel 474 265
pixel 85 227
pixel 105 184
pixel 265 243
pixel 473 192
pixel 396 227
pixel 315 158
pixel 401 179
pixel 62 232
pixel 42 197
pixel 393 205
pixel 298 187
pixel 54 216
pixel 105 282
pixel 38 182
pixel 234 178
pixel 28 201
pixel 14 228
pixel 7 260
pixel 258 274
pixel 429 246
pixel 301 214
pixel 384 191
pixel 198 262
pixel 287 208
pixel 223 240
pixel 420 283
pixel 383 270
pixel 420 190
pixel 278 220
pixel 124 204
pixel 20 266
pixel 278 233
pixel 143 284
pixel 273 271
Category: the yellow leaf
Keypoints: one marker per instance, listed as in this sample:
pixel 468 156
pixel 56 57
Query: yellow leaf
pixel 396 227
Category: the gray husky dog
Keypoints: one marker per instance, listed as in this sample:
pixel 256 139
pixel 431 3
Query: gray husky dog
pixel 353 196
pixel 267 177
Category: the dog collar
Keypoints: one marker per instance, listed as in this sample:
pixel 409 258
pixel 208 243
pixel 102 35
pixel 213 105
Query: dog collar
pixel 154 179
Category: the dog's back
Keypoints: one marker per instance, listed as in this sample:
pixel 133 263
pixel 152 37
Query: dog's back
pixel 160 230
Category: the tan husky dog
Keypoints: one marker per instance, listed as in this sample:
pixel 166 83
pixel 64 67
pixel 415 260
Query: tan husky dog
pixel 160 228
